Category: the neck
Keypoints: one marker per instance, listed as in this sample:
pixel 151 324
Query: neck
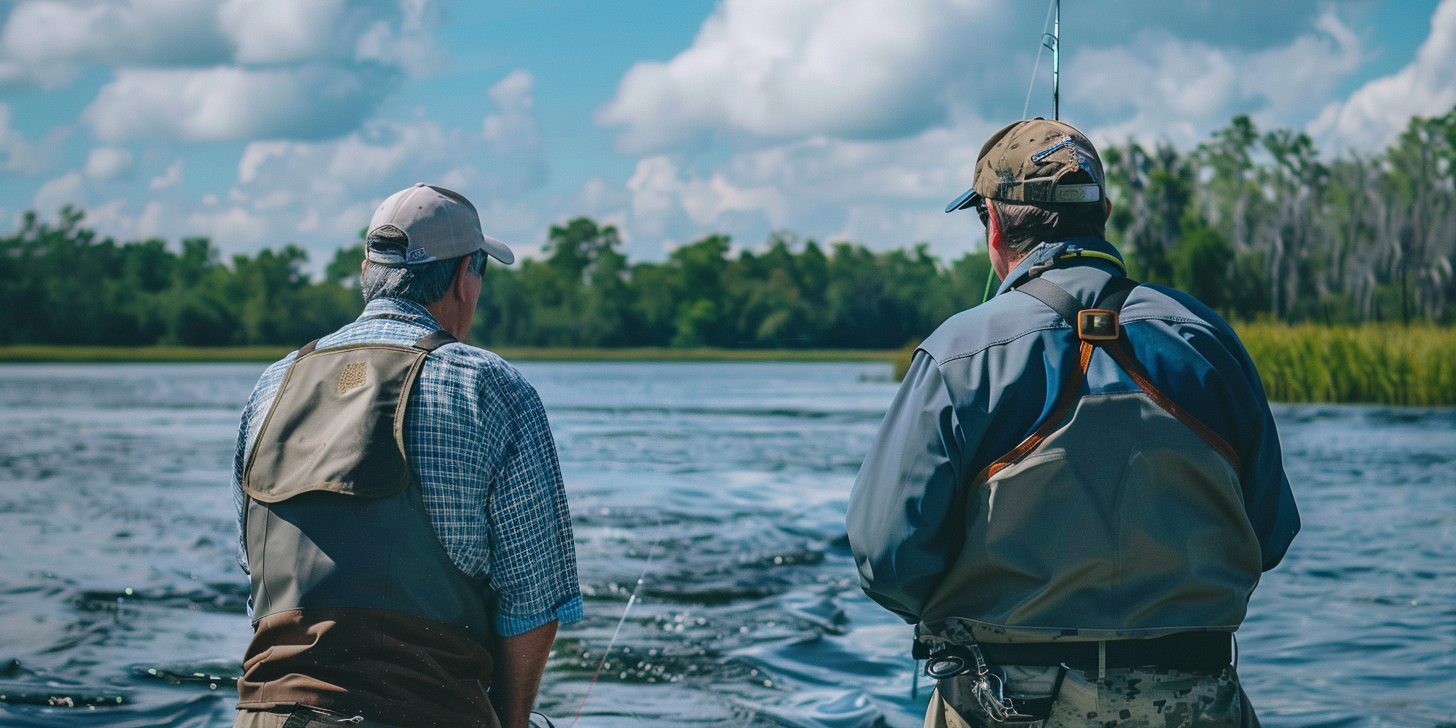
pixel 451 316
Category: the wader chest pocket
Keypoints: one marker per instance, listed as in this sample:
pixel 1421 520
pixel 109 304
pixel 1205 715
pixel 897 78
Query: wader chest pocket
pixel 337 425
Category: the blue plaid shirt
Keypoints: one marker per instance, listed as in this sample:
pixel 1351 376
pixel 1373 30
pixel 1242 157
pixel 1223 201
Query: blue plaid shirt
pixel 476 435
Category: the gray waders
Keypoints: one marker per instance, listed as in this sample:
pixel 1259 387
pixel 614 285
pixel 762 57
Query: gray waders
pixel 358 610
pixel 1109 551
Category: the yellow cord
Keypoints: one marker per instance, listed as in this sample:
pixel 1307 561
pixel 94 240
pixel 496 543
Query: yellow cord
pixel 1094 254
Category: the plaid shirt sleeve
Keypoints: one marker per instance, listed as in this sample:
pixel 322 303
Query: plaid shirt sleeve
pixel 532 554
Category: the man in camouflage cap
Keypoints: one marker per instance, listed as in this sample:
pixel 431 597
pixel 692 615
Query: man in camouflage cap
pixel 1080 482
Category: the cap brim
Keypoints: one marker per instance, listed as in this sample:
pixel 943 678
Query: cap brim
pixel 498 250
pixel 969 199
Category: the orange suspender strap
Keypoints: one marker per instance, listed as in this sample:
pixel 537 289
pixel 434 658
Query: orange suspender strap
pixel 1135 370
pixel 1071 311
pixel 1065 400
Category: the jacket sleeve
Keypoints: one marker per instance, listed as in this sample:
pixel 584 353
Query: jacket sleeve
pixel 897 521
pixel 1268 498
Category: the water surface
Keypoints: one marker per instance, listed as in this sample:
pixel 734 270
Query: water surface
pixel 723 486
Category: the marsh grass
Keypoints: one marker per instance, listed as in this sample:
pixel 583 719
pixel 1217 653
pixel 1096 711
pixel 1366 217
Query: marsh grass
pixel 1374 363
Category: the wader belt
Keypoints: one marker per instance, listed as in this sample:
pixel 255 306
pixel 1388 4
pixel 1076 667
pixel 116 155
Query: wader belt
pixel 1187 651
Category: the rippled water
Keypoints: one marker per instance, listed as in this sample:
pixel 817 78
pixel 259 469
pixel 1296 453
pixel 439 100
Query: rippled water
pixel 121 604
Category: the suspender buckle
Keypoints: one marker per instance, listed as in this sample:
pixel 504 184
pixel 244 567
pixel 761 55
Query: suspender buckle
pixel 1097 324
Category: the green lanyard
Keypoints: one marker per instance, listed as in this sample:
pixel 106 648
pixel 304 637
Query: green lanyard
pixel 992 282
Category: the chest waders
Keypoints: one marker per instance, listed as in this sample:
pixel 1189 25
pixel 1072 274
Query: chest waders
pixel 1113 536
pixel 357 607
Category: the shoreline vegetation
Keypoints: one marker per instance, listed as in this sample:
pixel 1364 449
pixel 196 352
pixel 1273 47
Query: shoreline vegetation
pixel 1342 271
pixel 1303 363
pixel 62 354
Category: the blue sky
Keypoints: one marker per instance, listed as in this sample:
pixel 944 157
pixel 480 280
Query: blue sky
pixel 264 122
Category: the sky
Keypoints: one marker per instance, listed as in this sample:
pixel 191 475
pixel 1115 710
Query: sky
pixel 260 123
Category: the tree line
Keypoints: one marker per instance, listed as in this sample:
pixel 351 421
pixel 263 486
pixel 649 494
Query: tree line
pixel 1255 224
pixel 1258 226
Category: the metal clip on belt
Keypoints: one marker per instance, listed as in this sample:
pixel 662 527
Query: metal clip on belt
pixel 988 688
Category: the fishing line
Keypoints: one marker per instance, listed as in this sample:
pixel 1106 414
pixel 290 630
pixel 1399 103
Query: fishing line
pixel 1037 65
pixel 651 550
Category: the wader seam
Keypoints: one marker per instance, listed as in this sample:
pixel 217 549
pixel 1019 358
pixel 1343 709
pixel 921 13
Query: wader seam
pixel 272 408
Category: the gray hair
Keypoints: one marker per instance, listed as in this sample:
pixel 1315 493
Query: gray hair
pixel 423 283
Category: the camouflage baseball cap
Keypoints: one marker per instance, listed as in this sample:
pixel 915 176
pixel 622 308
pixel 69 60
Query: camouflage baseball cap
pixel 1036 161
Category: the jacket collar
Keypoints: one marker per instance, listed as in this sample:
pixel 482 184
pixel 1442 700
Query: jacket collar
pixel 399 309
pixel 1064 254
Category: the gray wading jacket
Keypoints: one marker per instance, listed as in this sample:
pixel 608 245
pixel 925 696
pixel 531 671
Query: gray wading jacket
pixel 1148 502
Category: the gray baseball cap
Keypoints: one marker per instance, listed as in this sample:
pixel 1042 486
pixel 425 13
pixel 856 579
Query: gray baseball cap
pixel 438 224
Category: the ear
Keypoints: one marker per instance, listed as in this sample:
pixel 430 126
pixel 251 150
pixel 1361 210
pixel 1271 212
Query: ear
pixel 457 284
pixel 993 229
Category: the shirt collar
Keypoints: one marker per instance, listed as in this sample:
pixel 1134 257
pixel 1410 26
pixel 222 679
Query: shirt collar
pixel 1060 254
pixel 399 309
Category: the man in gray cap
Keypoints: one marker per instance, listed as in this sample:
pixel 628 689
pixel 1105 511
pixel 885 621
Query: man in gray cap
pixel 1079 483
pixel 402 514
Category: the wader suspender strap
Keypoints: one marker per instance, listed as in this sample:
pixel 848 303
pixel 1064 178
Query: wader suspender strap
pixel 435 340
pixel 1094 326
pixel 1111 299
pixel 428 342
pixel 1069 308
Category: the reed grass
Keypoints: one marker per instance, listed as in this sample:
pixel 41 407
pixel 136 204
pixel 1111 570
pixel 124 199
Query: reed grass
pixel 1374 363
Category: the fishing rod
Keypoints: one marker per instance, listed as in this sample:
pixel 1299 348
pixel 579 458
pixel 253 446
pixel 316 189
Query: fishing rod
pixel 1053 42
pixel 1056 48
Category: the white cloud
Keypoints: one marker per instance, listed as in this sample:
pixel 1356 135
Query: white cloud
pixel 172 176
pixel 860 119
pixel 104 163
pixel 232 228
pixel 153 221
pixel 16 153
pixel 42 35
pixel 513 129
pixel 227 103
pixel 1376 113
pixel 223 70
pixel 381 153
pixel 68 189
pixel 280 31
pixel 774 69
pixel 883 193
pixel 512 134
pixel 659 192
pixel 762 70
pixel 1163 86
pixel 320 194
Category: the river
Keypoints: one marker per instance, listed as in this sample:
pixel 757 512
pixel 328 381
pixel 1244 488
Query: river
pixel 723 486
